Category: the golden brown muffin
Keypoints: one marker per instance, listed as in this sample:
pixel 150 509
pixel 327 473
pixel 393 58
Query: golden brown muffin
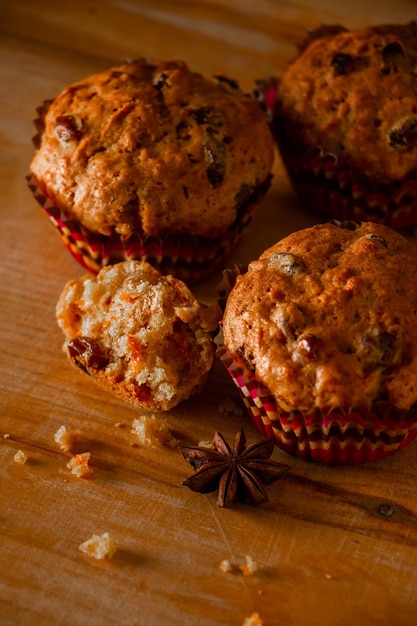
pixel 345 119
pixel 153 148
pixel 138 334
pixel 325 321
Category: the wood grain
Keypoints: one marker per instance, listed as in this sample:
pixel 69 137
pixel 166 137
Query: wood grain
pixel 334 546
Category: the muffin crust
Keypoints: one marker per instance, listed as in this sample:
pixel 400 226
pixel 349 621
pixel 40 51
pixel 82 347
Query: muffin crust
pixel 327 318
pixel 354 95
pixel 153 147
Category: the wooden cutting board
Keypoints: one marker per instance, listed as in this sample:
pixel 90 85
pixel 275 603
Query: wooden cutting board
pixel 333 546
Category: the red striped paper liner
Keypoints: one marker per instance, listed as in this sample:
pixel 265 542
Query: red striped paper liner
pixel 188 258
pixel 330 187
pixel 334 438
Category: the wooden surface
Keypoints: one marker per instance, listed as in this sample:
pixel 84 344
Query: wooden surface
pixel 334 546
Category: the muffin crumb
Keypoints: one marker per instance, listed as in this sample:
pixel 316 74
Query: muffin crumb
pixel 99 547
pixel 226 566
pixel 65 439
pixel 253 620
pixel 20 457
pixel 151 430
pixel 79 465
pixel 249 567
pixel 205 444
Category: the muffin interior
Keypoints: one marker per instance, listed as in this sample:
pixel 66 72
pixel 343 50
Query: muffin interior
pixel 143 335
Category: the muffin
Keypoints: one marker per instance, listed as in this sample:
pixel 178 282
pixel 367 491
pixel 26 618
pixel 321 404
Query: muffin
pixel 320 336
pixel 152 161
pixel 345 121
pixel 140 335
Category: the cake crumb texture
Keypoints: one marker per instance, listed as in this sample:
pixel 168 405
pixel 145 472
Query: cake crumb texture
pixel 99 547
pixel 138 334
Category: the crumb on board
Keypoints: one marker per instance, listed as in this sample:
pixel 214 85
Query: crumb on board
pixel 230 407
pixel 250 567
pixel 6 435
pixel 99 546
pixel 247 569
pixel 79 464
pixel 205 444
pixel 65 439
pixel 253 620
pixel 226 566
pixel 152 430
pixel 20 457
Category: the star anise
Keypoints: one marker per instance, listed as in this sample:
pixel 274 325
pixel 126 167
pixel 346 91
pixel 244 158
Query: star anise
pixel 236 474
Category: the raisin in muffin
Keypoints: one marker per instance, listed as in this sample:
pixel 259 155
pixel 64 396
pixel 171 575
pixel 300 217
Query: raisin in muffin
pixel 152 161
pixel 140 335
pixel 345 120
pixel 320 335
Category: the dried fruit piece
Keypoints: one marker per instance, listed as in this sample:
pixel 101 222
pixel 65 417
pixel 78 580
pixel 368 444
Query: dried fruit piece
pixel 342 64
pixel 68 128
pixel 287 263
pixel 215 157
pixel 377 238
pixel 87 353
pixel 404 136
pixel 309 347
pixel 392 57
pixel 201 115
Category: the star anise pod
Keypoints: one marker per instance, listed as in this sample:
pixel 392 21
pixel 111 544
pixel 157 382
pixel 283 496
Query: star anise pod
pixel 236 474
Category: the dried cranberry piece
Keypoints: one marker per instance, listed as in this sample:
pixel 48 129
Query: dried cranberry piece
pixel 379 347
pixel 215 157
pixel 392 57
pixel 227 81
pixel 346 224
pixel 87 353
pixel 389 348
pixel 67 128
pixel 246 359
pixel 342 64
pixel 404 137
pixel 377 238
pixel 309 347
pixel 161 81
pixel 201 115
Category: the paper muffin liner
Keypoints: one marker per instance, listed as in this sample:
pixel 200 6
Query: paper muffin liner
pixel 329 187
pixel 186 257
pixel 334 438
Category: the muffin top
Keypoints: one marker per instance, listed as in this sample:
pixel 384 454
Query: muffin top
pixel 153 147
pixel 354 95
pixel 327 317
pixel 138 334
